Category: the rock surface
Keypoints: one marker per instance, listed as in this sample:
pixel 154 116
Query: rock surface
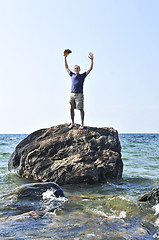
pixel 152 196
pixel 65 156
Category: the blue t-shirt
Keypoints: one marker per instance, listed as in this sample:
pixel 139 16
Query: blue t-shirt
pixel 77 82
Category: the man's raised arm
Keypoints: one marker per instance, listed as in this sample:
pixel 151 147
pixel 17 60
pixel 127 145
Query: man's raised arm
pixel 66 65
pixel 91 66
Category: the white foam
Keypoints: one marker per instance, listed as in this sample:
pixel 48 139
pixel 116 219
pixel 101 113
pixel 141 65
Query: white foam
pixel 156 208
pixel 120 197
pixel 157 222
pixel 91 235
pixel 12 171
pixel 49 195
pixel 122 214
pixel 100 213
pixel 156 236
pixel 50 203
pixel 125 198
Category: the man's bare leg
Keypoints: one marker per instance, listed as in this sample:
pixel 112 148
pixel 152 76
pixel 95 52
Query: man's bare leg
pixel 72 113
pixel 82 118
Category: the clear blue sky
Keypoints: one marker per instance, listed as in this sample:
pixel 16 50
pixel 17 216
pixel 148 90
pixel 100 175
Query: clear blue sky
pixel 122 91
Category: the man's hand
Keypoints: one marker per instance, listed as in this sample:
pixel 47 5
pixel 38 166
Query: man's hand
pixel 90 55
pixel 67 52
pixel 91 66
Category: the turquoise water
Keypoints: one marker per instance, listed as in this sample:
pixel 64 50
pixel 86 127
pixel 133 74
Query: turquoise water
pixel 107 210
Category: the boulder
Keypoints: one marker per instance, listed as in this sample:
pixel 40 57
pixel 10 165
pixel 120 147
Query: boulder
pixel 65 156
pixel 152 196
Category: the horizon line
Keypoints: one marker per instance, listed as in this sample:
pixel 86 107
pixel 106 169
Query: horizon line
pixel 117 131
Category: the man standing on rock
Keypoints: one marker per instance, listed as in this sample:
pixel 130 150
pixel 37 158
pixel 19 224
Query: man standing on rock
pixel 76 96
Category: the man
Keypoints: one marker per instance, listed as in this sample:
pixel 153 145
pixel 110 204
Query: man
pixel 76 96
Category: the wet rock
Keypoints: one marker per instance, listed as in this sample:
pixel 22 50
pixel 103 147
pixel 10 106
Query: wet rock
pixel 152 196
pixel 65 156
pixel 37 197
pixel 34 191
pixel 24 216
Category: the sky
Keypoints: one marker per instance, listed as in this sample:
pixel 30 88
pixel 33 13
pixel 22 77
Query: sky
pixel 120 92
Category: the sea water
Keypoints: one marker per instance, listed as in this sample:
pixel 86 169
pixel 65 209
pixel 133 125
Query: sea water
pixel 108 210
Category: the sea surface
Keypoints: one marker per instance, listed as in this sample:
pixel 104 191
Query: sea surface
pixel 108 210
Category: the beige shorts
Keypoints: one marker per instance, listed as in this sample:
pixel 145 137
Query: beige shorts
pixel 76 100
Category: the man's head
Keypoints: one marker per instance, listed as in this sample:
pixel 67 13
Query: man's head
pixel 77 69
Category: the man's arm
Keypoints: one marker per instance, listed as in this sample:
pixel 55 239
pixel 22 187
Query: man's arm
pixel 91 66
pixel 66 65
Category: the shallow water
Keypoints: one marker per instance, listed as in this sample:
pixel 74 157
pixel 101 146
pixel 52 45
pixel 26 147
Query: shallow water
pixel 108 210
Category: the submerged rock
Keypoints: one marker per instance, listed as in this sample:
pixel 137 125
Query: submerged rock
pixel 34 191
pixel 152 196
pixel 38 198
pixel 62 155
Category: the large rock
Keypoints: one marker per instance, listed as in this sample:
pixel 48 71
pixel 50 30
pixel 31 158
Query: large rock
pixel 65 156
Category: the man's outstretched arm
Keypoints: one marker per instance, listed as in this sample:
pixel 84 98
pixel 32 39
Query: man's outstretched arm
pixel 91 66
pixel 66 65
